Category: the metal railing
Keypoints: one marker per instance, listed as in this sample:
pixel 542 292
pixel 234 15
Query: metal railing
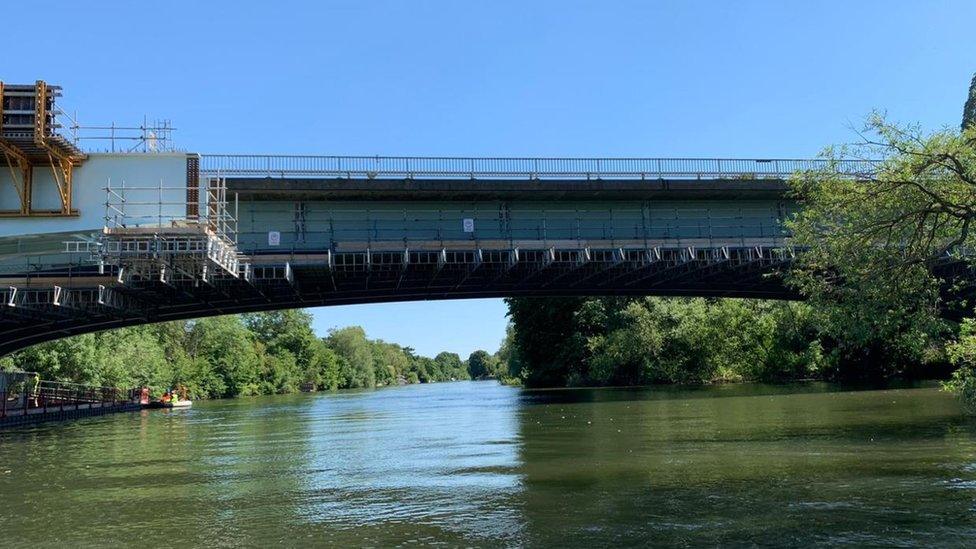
pixel 242 165
pixel 26 397
pixel 155 229
pixel 55 393
pixel 145 138
pixel 168 205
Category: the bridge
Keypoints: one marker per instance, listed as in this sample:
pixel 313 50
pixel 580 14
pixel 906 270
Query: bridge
pixel 92 241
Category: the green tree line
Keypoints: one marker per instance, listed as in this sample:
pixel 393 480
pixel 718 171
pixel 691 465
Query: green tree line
pixel 229 356
pixel 640 341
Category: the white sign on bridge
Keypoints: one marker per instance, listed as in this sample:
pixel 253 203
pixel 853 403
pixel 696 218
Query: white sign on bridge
pixel 274 238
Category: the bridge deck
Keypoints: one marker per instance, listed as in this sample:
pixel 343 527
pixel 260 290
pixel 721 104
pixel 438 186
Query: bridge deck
pixel 352 276
pixel 302 231
pixel 417 189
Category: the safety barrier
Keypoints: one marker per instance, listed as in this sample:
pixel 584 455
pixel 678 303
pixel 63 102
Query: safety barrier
pixel 38 400
pixel 242 165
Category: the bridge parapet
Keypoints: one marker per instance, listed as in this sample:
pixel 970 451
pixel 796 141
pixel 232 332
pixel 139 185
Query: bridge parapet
pixel 378 167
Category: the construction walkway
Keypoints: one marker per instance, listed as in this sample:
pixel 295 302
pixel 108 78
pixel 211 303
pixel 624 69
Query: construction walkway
pixel 26 400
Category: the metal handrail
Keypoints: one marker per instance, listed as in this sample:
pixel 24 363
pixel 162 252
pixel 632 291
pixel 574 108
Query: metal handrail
pixel 243 165
pixel 145 206
pixel 61 395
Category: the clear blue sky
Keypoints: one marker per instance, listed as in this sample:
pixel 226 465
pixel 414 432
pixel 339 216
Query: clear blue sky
pixel 680 78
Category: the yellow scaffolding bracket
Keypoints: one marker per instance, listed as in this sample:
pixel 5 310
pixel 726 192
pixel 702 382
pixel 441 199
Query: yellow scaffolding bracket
pixel 28 139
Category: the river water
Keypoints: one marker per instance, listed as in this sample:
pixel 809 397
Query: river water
pixel 479 464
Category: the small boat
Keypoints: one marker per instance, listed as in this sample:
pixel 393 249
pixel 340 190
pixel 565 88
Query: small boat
pixel 170 404
pixel 174 398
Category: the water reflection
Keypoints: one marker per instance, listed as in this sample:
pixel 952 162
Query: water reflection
pixel 477 464
pixel 745 464
pixel 431 462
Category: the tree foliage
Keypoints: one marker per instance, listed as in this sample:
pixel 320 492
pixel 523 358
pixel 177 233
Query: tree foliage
pixel 229 356
pixel 449 366
pixel 482 365
pixel 969 110
pixel 614 341
pixel 357 356
pixel 962 353
pixel 873 243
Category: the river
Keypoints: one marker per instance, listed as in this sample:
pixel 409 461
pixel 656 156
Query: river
pixel 479 464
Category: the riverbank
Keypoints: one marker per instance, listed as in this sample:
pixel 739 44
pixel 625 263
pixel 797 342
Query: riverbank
pixel 856 385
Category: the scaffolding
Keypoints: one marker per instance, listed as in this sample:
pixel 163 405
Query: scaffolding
pixel 30 138
pixel 148 137
pixel 158 233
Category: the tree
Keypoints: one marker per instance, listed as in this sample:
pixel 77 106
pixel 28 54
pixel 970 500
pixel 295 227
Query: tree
pixel 509 361
pixel 549 342
pixel 969 110
pixel 72 359
pixel 450 367
pixel 279 371
pixel 481 365
pixel 132 357
pixel 873 240
pixel 425 369
pixel 325 367
pixel 227 345
pixel 199 377
pixel 392 361
pixel 357 356
pixel 288 330
pixel 962 353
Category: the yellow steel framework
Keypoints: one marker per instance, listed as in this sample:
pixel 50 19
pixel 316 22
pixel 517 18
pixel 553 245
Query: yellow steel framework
pixel 22 151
